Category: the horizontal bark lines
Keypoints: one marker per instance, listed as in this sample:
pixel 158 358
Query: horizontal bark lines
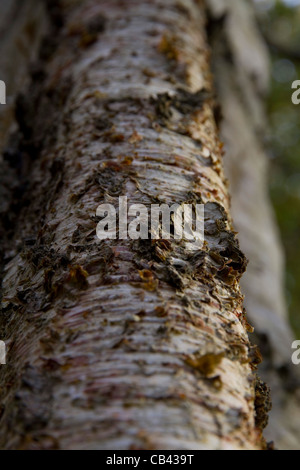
pixel 124 344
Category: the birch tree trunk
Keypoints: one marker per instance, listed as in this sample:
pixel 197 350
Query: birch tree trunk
pixel 242 84
pixel 122 344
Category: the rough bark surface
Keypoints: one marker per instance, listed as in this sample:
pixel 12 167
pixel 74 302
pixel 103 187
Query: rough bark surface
pixel 241 70
pixel 123 344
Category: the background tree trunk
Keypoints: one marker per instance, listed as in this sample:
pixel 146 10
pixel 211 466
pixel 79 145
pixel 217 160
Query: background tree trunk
pixel 122 344
pixel 22 26
pixel 242 84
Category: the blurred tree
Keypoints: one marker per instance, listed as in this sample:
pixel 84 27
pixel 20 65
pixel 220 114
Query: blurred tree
pixel 242 82
pixel 280 25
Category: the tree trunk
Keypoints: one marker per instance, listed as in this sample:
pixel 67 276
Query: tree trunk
pixel 21 28
pixel 242 84
pixel 122 344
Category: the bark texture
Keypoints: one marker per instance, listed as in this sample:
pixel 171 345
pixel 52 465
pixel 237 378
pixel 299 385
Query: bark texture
pixel 241 70
pixel 123 344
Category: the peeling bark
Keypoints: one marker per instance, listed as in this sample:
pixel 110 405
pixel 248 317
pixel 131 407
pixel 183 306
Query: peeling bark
pixel 123 344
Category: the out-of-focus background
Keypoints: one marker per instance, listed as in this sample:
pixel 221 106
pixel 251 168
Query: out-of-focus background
pixel 280 24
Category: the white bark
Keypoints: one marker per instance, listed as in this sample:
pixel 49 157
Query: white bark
pixel 124 345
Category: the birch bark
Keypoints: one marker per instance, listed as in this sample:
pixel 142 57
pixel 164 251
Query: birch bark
pixel 123 344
